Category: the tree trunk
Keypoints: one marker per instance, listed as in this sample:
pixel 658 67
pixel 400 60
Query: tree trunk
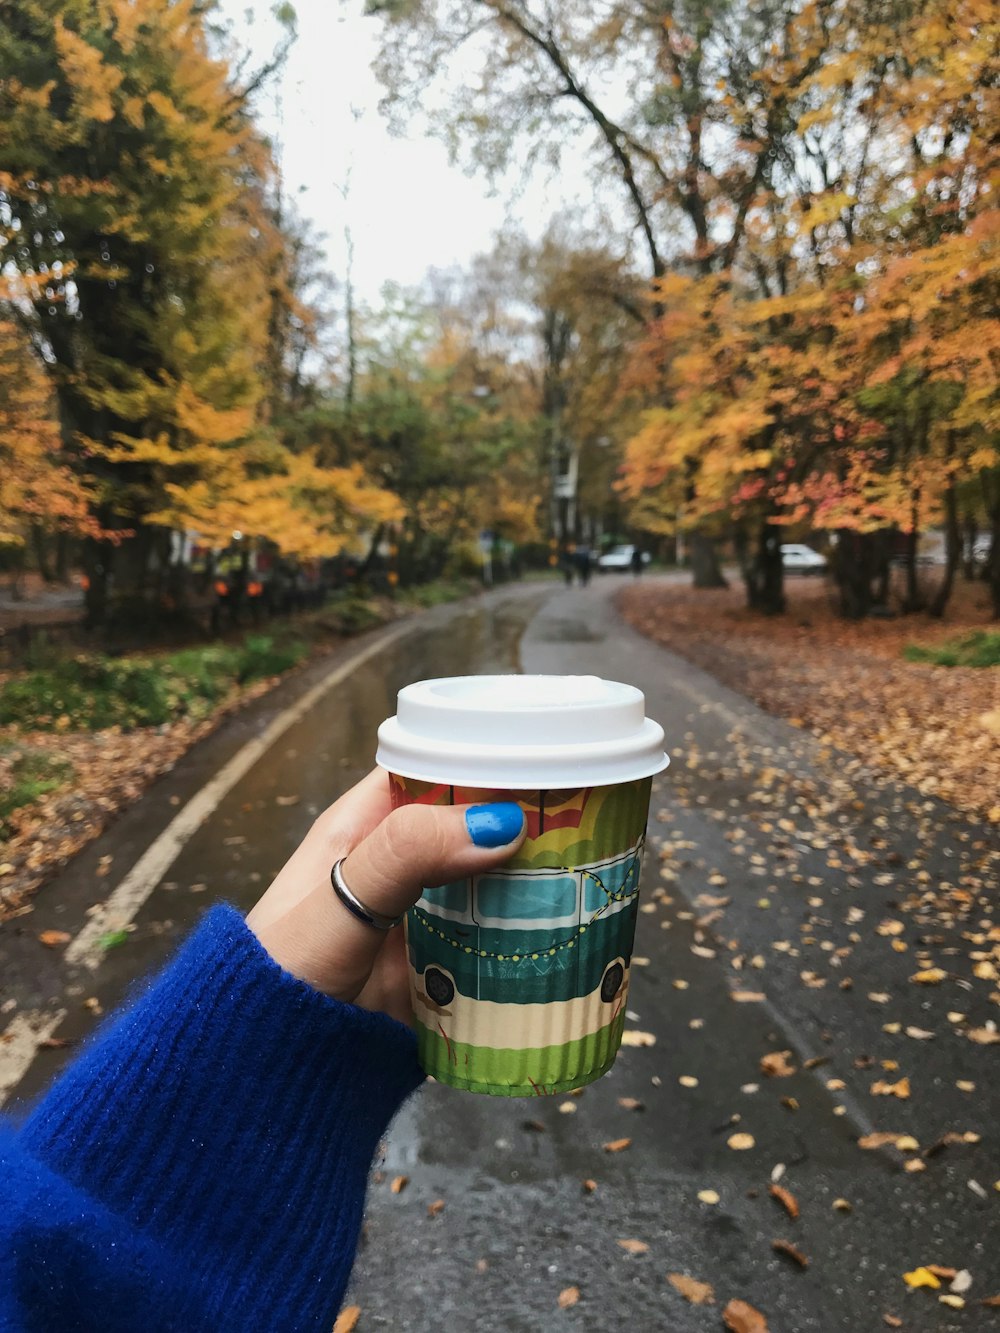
pixel 913 600
pixel 705 567
pixel 993 567
pixel 763 572
pixel 953 539
pixel 62 557
pixel 852 574
pixel 40 546
pixel 366 564
pixel 880 567
pixel 970 531
pixel 97 558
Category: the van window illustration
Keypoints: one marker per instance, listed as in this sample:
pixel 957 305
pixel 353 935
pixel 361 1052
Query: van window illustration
pixel 502 936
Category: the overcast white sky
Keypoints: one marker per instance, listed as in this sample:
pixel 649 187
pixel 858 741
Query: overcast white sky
pixel 408 209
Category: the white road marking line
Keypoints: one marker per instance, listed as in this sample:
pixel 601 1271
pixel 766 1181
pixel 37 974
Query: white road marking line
pixel 20 1043
pixel 126 900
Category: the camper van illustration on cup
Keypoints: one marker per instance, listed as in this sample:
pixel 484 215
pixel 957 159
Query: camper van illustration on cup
pixel 520 976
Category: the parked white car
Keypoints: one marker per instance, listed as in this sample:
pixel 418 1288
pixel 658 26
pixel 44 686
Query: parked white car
pixel 619 558
pixel 982 547
pixel 799 559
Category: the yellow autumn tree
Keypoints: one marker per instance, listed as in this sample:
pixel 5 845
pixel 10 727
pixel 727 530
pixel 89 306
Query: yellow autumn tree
pixel 844 373
pixel 39 493
pixel 137 203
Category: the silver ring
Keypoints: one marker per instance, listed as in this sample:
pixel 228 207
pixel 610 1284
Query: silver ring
pixel 355 906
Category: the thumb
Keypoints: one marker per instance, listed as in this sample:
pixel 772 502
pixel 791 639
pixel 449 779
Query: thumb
pixel 420 845
pixel 319 940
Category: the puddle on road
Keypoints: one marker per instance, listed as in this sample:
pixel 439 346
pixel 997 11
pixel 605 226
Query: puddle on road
pixel 562 629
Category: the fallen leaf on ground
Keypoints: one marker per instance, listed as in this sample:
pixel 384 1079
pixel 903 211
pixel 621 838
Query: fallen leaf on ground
pixel 634 1246
pixel 983 1036
pixel 929 976
pixel 786 1198
pixel 567 1108
pixel 347 1320
pixel 786 1248
pixel 534 1126
pixel 922 1277
pixel 892 1321
pixel 884 1089
pixel 739 1317
pixel 843 1205
pixel 919 1034
pixel 287 800
pixel 747 996
pixel 882 1139
pixel 617 1145
pixel 568 1297
pixel 698 1293
pixel 54 1043
pixel 777 1064
pixel 740 1142
pixel 946 1140
pixel 631 1104
pixel 54 939
pixel 589 1186
pixel 962 1281
pixel 399 1183
pixel 708 1196
pixel 632 1037
pixel 955 1302
pixel 433 1209
pixel 688 1081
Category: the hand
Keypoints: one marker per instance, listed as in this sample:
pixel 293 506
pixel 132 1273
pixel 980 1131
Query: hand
pixel 391 855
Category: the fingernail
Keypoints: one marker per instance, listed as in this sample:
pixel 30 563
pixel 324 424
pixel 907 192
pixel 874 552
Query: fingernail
pixel 494 825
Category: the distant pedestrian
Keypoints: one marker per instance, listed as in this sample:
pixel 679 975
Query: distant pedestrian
pixel 582 560
pixel 637 560
pixel 568 564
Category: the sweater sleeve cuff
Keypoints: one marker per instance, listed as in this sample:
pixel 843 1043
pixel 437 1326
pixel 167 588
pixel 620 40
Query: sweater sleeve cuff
pixel 232 1112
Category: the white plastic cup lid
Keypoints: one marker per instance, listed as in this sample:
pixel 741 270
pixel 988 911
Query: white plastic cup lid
pixel 521 732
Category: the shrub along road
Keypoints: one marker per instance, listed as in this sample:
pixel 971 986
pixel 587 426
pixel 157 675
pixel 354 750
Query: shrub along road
pixel 807 1110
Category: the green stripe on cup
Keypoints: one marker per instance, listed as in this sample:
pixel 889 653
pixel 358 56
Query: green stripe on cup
pixel 503 1072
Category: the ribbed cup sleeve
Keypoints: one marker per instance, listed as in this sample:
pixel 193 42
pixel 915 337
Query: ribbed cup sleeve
pixel 230 1116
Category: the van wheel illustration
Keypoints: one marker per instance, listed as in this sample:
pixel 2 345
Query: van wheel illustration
pixel 438 987
pixel 612 982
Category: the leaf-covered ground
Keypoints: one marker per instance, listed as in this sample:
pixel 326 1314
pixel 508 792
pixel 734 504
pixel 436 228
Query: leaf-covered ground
pixel 936 728
pixel 107 770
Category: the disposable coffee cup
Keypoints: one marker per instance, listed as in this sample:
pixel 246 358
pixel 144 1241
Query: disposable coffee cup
pixel 519 976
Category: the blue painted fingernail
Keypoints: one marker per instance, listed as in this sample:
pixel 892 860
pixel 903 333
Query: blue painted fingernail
pixel 494 825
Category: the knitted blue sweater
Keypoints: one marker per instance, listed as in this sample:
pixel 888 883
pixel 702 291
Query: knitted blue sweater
pixel 203 1164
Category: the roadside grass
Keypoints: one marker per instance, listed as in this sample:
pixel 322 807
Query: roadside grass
pixel 26 775
pixel 89 693
pixel 439 591
pixel 104 727
pixel 981 648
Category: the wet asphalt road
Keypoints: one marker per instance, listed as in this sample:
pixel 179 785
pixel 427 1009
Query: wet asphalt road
pixel 758 838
